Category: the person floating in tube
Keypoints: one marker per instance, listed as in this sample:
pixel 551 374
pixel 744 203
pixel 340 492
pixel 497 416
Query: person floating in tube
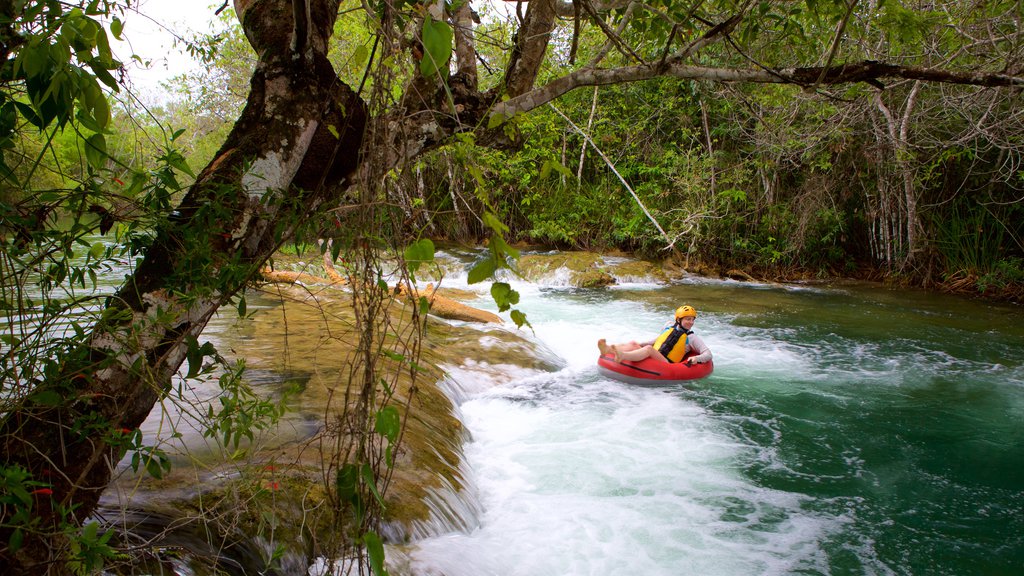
pixel 675 342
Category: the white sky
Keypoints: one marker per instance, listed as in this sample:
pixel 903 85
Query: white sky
pixel 149 35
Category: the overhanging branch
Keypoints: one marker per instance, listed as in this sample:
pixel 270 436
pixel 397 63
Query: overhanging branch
pixel 867 71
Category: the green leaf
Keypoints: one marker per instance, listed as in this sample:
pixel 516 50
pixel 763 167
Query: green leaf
pixel 375 551
pixel 388 423
pixel 103 75
pixel 96 250
pixel 371 483
pixel 483 270
pixel 495 120
pixel 34 58
pixel 359 56
pixel 194 356
pixel 519 318
pixel 29 113
pixel 16 540
pixel 555 165
pixel 87 121
pixel 116 27
pixel 89 530
pixel 494 223
pixel 347 483
pixel 154 469
pixel 437 47
pixel 477 174
pixel 176 160
pixel 419 252
pixel 96 150
pixel 504 296
pixel 500 248
pixel 48 398
pixel 8 119
pixel 103 48
pixel 100 108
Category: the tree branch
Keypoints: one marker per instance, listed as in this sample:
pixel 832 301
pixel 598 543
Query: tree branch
pixel 465 45
pixel 840 74
pixel 564 8
pixel 530 44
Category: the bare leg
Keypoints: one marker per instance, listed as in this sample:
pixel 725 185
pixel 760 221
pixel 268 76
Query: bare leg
pixel 640 354
pixel 627 346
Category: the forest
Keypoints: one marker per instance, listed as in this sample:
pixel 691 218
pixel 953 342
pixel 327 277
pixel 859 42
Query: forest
pixel 908 181
pixel 816 139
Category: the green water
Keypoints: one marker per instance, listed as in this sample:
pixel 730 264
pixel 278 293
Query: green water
pixel 847 429
pixel 905 416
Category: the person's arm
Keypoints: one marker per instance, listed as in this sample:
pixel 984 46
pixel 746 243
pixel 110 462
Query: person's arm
pixel 703 353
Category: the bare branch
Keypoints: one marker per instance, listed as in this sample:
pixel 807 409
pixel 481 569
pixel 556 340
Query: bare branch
pixel 612 35
pixel 840 74
pixel 611 166
pixel 838 36
pixel 565 9
pixel 618 32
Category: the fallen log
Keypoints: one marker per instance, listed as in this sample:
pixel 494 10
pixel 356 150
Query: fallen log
pixel 452 309
pixel 289 277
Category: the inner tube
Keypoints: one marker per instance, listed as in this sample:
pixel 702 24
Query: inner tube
pixel 651 371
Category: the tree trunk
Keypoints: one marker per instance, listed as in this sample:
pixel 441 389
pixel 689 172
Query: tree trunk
pixel 297 139
pixel 905 220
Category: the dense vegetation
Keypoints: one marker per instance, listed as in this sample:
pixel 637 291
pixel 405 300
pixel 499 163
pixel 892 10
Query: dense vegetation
pixel 917 183
pixel 818 137
pixel 765 179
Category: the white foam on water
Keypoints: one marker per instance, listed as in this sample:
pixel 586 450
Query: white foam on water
pixel 578 474
pixel 615 481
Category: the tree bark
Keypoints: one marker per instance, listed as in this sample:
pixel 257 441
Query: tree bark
pixel 298 139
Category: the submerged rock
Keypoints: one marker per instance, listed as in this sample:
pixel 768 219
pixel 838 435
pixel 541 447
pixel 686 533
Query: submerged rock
pixel 628 270
pixel 586 269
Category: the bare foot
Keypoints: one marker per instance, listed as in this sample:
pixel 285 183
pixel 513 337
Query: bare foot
pixel 618 355
pixel 602 345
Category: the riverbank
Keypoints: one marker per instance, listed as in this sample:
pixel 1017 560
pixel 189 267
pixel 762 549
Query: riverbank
pixel 272 502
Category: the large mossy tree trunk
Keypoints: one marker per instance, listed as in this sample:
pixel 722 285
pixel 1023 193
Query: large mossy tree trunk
pixel 295 143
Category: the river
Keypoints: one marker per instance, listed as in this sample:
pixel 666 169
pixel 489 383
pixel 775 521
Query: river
pixel 850 429
pixel 847 429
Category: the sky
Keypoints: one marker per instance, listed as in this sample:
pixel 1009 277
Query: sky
pixel 154 42
pixel 150 36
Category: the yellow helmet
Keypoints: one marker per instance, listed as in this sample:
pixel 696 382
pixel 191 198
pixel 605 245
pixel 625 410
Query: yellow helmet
pixel 684 311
